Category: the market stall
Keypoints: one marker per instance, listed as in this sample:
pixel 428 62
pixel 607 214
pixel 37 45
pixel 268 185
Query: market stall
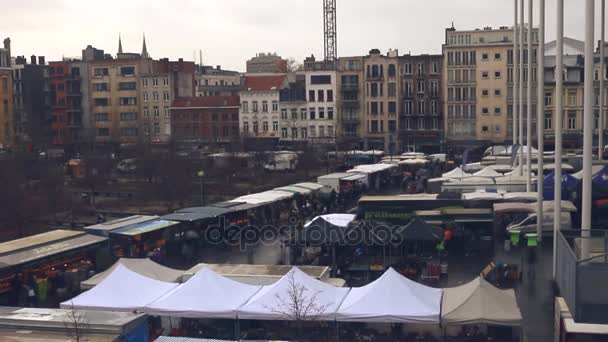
pixel 104 228
pixel 205 295
pixel 569 185
pixel 143 239
pixel 145 267
pixel 122 290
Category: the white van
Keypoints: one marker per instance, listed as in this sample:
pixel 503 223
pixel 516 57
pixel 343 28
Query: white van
pixel 528 225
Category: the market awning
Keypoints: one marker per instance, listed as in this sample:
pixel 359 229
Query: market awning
pixel 419 230
pixel 121 290
pixel 392 298
pixel 479 302
pixel 187 217
pixel 105 227
pixel 205 295
pixel 456 173
pixel 145 267
pixel 209 211
pixel 372 168
pixel 273 302
pixel 265 197
pixel 35 247
pixel 311 186
pixel 294 189
pixel 144 227
pixel 487 172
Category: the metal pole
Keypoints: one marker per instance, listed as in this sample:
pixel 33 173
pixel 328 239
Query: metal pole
pixel 529 95
pixel 588 128
pixel 521 87
pixel 559 119
pixel 600 128
pixel 515 76
pixel 540 112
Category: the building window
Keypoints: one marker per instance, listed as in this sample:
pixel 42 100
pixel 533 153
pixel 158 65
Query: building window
pixel 484 92
pixel 374 126
pixel 284 113
pixel 330 131
pixel 128 101
pixel 392 89
pixel 294 114
pixel 392 125
pixel 127 86
pixel 245 126
pixel 572 97
pixel 485 110
pixel 421 109
pixel 320 96
pixel 420 69
pixel 98 72
pixel 128 116
pixel 408 108
pixel 497 92
pixel 166 112
pixel 100 86
pixel 100 117
pixel 571 120
pixel 254 104
pixel 275 106
pixel 420 123
pixel 128 131
pixel 311 96
pixel 321 113
pixel 374 108
pixel 304 131
pixel 235 116
pixel 145 97
pixel 294 133
pixel 155 96
pixel 407 68
pixel 435 124
pixel 275 126
pixel 156 128
pixel 433 107
pixel 165 81
pixel 420 87
pixel 155 82
pixel 330 95
pixel 146 112
pixel 330 113
pixel 484 57
pixel 255 127
pixel 100 102
pixel 496 128
pixel 265 126
pixel 156 112
pixel 497 111
pixel 497 56
pixel 166 96
pixel 311 112
pixel 484 74
pixel 548 120
pixel 312 131
pixel 497 74
pixel 127 71
pixel 484 128
pixel 435 88
pixel 303 113
pixel 103 132
pixel 264 106
pixel 408 89
pixel 245 107
pixel 435 67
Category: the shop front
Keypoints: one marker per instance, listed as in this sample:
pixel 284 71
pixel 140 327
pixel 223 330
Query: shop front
pixel 146 239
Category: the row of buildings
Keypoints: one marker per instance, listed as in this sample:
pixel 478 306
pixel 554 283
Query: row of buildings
pixel 462 97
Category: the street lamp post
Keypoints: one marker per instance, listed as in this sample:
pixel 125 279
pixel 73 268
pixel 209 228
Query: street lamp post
pixel 559 119
pixel 540 123
pixel 521 87
pixel 200 175
pixel 529 98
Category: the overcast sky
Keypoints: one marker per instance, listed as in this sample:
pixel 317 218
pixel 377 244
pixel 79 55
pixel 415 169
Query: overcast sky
pixel 231 31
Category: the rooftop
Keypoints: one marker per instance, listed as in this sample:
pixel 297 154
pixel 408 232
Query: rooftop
pixel 264 83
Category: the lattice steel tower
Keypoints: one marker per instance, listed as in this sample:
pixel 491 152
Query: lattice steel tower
pixel 330 35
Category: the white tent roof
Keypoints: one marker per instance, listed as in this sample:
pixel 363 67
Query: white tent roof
pixel 479 302
pixel 473 167
pixel 273 302
pixel 145 267
pixel 391 298
pixel 372 168
pixel 339 220
pixel 415 161
pixel 122 290
pixel 473 180
pixel 520 196
pixel 456 173
pixel 482 195
pixel 594 170
pixel 311 186
pixel 264 197
pixel 487 172
pixel 205 295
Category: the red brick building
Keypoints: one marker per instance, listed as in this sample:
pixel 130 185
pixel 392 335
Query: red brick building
pixel 205 119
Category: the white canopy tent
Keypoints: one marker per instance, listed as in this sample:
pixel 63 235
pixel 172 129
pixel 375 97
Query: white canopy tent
pixel 520 196
pixel 372 168
pixel 482 195
pixel 473 180
pixel 456 173
pixel 479 302
pixel 273 302
pixel 145 267
pixel 339 220
pixel 487 172
pixel 121 290
pixel 392 298
pixel 205 295
pixel 264 197
pixel 473 167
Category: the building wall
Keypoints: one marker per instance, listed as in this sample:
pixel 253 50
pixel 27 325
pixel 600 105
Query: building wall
pixel 194 123
pixel 6 107
pixel 267 63
pixel 381 108
pixel 321 117
pixel 421 113
pixel 350 100
pixel 252 121
pixel 156 97
pixel 217 82
pixel 491 79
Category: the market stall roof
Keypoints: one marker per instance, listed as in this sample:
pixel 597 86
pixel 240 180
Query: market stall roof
pixel 372 168
pixel 473 180
pixel 456 173
pixel 241 272
pixel 272 302
pixel 412 155
pixel 392 298
pixel 511 179
pixel 418 230
pixel 186 217
pixel 482 195
pixel 354 177
pixel 595 169
pixel 520 207
pixel 145 267
pixel 311 186
pixel 415 161
pixel 36 247
pixel 339 220
pixel 501 168
pixel 473 167
pixel 479 302
pixel 520 196
pixel 335 175
pixel 119 223
pixel 294 189
pixel 205 295
pixel 209 211
pixel 487 172
pixel 235 206
pixel 264 197
pixel 121 290
pixel 144 227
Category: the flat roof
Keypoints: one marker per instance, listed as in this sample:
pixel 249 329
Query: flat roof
pixel 40 251
pixel 122 222
pixel 414 197
pixel 20 335
pixel 144 227
pixel 36 240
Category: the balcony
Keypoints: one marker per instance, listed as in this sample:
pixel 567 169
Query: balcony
pixel 350 87
pixel 578 276
pixel 351 103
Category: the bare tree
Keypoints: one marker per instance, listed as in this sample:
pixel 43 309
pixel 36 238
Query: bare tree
pixel 76 323
pixel 300 304
pixel 293 65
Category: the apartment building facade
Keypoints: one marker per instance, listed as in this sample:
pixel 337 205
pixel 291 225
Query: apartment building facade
pixel 382 89
pixel 206 119
pixel 6 96
pixel 216 81
pixel 350 101
pixel 293 106
pixel 260 105
pixel 421 116
pixel 477 84
pixel 321 118
pixel 266 63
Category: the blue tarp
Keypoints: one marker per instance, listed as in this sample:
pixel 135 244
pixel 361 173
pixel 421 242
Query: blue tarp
pixel 569 185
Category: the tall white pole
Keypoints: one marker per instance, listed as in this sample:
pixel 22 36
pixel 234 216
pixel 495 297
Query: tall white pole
pixel 515 110
pixel 529 95
pixel 600 127
pixel 540 113
pixel 559 120
pixel 521 87
pixel 588 128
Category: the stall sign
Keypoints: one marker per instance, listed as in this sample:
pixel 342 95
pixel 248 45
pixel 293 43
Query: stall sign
pixel 370 215
pixel 376 267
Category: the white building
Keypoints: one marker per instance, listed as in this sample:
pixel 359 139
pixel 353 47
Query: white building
pixel 259 115
pixel 321 98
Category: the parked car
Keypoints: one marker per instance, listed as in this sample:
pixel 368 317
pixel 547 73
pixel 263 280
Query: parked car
pixel 528 225
pixel 127 165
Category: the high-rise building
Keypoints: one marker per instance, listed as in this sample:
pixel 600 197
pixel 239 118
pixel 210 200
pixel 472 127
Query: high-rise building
pixel 267 63
pixel 350 102
pixel 382 89
pixel 216 81
pixel 421 115
pixel 478 84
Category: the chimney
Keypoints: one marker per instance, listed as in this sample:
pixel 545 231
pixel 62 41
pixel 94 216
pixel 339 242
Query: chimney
pixel 219 67
pixel 180 60
pixel 33 60
pixel 41 60
pixel 7 46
